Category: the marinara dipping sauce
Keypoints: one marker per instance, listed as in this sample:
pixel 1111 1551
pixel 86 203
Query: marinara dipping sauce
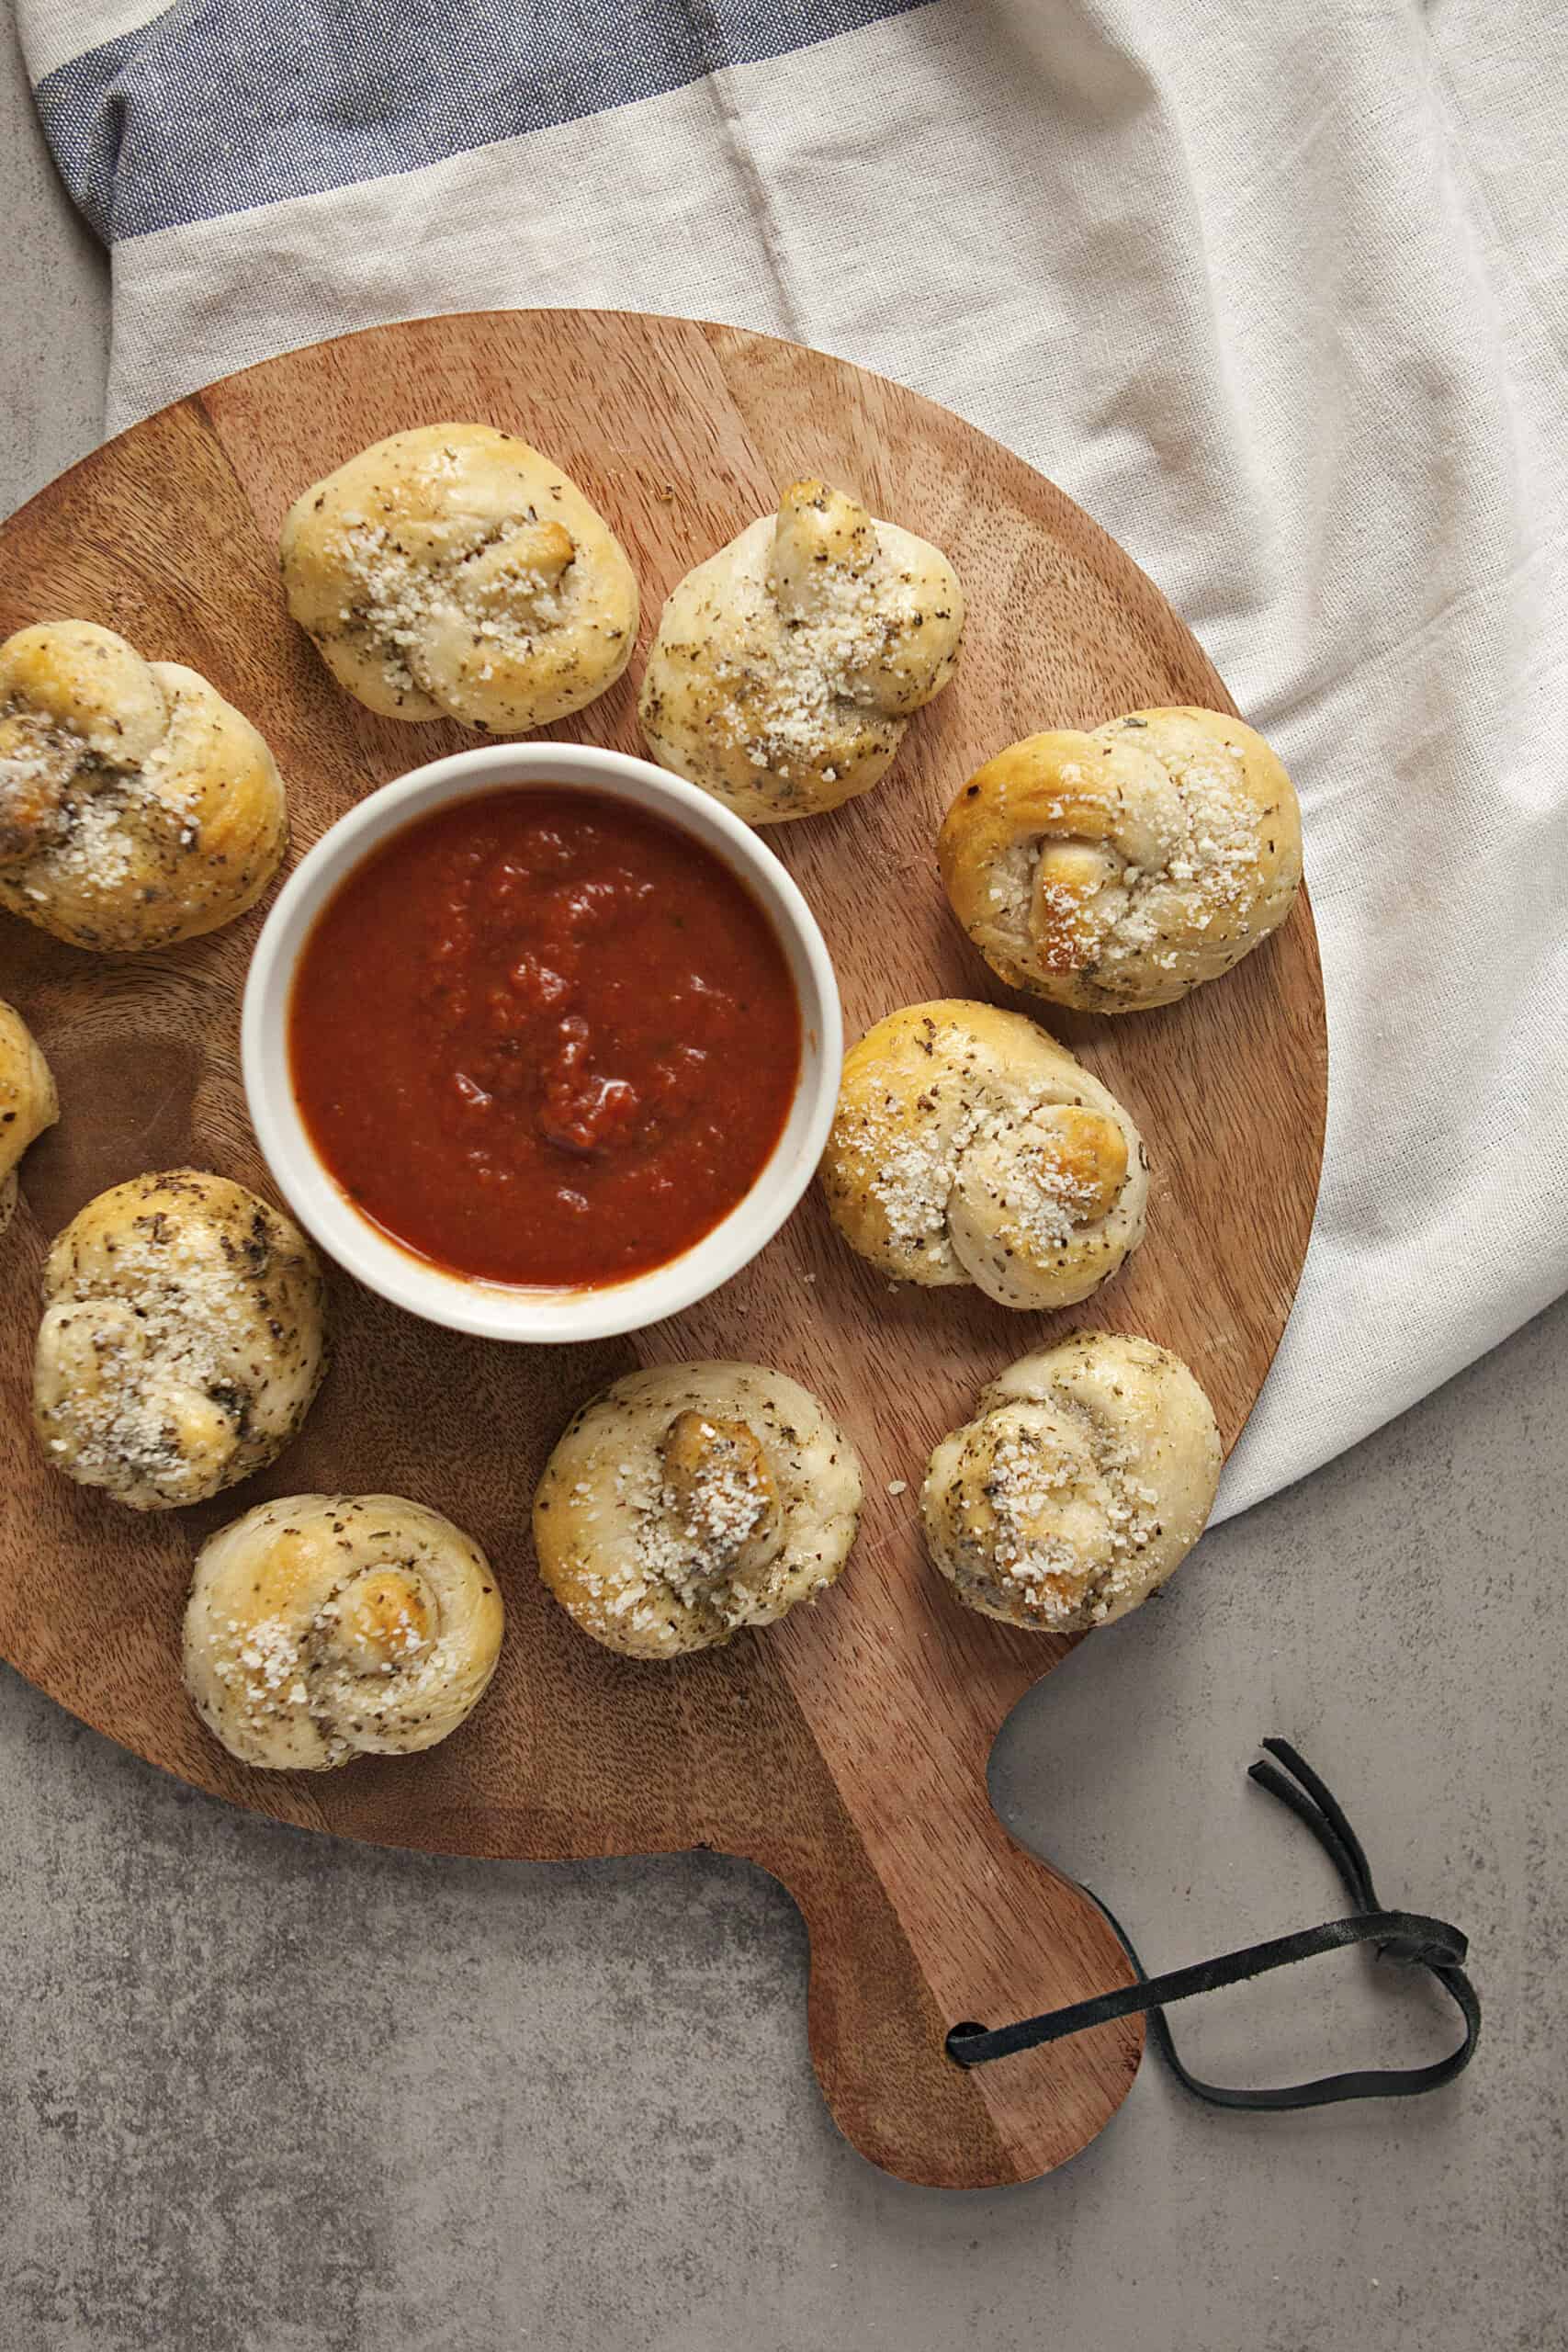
pixel 544 1038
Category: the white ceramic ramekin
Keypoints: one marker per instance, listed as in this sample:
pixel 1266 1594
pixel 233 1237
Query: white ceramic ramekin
pixel 494 1310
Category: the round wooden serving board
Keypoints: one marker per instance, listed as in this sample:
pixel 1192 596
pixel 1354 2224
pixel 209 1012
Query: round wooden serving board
pixel 846 1750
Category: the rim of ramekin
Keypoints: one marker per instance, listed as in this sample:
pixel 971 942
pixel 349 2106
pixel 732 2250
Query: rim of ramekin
pixel 494 1310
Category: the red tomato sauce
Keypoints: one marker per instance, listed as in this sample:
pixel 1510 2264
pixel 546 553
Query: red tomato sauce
pixel 543 1038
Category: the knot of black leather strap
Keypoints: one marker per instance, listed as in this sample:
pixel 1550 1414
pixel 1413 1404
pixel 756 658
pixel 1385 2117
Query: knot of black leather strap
pixel 1409 1936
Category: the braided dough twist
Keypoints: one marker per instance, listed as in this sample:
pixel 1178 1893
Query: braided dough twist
pixel 1085 1478
pixel 787 666
pixel 969 1146
pixel 691 1500
pixel 137 807
pixel 322 1627
pixel 453 571
pixel 1118 870
pixel 28 1102
pixel 183 1339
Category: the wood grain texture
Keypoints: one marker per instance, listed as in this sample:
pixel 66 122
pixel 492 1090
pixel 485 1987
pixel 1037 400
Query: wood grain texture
pixel 846 1751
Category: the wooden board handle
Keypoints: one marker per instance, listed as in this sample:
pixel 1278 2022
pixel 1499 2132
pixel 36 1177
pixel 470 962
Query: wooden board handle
pixel 999 1935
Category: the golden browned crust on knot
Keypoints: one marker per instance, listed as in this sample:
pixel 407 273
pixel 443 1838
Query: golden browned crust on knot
pixel 1084 1480
pixel 1117 870
pixel 322 1627
pixel 786 667
pixel 183 1339
pixel 692 1500
pixel 387 1614
pixel 453 571
pixel 705 1459
pixel 969 1146
pixel 137 807
pixel 28 1102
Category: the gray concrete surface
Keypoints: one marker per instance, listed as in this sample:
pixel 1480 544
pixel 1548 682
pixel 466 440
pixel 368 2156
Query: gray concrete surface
pixel 260 2093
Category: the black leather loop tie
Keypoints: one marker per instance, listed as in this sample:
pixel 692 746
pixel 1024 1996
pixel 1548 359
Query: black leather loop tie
pixel 1407 1937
